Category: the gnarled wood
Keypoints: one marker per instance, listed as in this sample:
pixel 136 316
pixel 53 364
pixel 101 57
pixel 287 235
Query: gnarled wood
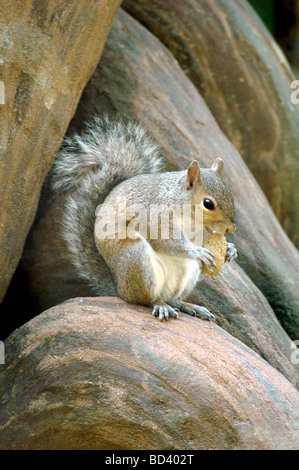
pixel 98 374
pixel 48 51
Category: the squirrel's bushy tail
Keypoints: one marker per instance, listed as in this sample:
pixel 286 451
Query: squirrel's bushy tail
pixel 87 168
pixel 112 149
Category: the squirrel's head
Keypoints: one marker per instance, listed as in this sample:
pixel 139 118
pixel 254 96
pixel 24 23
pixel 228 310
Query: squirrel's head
pixel 207 189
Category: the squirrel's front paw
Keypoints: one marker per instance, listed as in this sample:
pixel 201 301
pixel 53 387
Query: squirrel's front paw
pixel 206 257
pixel 231 252
pixel 163 311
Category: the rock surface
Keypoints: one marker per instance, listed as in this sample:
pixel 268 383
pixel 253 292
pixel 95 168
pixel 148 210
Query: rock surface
pixel 48 50
pixel 98 374
pixel 245 80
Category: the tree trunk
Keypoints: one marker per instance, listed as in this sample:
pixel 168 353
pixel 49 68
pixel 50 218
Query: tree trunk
pixel 99 374
pixel 49 50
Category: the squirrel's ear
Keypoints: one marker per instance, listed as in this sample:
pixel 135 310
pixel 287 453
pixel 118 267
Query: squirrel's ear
pixel 193 175
pixel 218 166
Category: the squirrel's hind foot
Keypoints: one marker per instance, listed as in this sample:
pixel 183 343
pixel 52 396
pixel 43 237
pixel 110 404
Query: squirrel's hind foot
pixel 194 310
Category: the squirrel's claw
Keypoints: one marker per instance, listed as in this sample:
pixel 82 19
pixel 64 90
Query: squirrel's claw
pixel 197 311
pixel 193 310
pixel 204 313
pixel 207 258
pixel 164 311
pixel 231 252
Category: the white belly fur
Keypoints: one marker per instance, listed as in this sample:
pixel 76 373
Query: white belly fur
pixel 174 275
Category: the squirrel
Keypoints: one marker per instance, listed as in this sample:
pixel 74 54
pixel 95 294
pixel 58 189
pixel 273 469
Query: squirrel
pixel 115 165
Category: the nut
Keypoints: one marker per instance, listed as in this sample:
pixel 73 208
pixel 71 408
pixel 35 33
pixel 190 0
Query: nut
pixel 216 244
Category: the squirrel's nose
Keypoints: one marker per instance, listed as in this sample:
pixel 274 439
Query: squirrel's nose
pixel 231 228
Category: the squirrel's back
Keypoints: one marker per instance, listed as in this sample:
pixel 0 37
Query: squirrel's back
pixel 87 168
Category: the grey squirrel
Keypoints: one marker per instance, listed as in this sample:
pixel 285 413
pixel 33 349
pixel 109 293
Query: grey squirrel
pixel 115 161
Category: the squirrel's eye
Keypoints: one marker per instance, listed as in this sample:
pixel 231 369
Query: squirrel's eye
pixel 208 204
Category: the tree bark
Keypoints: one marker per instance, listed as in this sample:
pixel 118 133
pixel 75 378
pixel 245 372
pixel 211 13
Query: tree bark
pixel 95 373
pixel 49 50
